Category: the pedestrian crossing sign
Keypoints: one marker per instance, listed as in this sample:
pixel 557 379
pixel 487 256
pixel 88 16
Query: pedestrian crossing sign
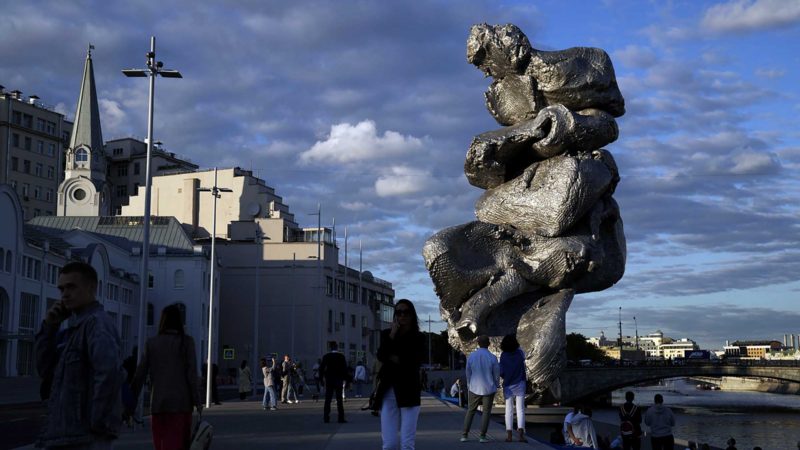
pixel 228 353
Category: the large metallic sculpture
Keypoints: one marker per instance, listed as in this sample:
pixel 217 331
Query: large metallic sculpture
pixel 547 226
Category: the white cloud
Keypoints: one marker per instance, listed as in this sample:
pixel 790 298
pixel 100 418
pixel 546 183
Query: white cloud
pixel 356 206
pixel 748 15
pixel 636 56
pixel 360 142
pixel 402 180
pixel 113 116
pixel 770 73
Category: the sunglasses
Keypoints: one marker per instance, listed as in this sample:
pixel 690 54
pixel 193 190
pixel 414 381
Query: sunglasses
pixel 402 312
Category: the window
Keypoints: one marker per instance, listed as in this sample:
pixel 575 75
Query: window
pixel 122 190
pixel 364 321
pixel 136 168
pixel 150 280
pixel 27 121
pixel 125 333
pixel 150 314
pixel 14 163
pixel 37 192
pixel 179 279
pixel 81 155
pixel 328 286
pixel 52 274
pixel 38 169
pixel 26 166
pixel 135 189
pixel 50 128
pixel 51 149
pixel 9 259
pixel 15 140
pixel 31 268
pixel 117 151
pixel 352 320
pixel 28 313
pixel 48 196
pixel 28 143
pixel 16 118
pixel 51 172
pixel 40 124
pixel 25 189
pixel 40 147
pixel 341 318
pixel 122 169
pixel 330 320
pixel 182 309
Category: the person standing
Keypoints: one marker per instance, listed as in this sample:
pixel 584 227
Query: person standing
pixel 214 373
pixel 269 384
pixel 80 367
pixel 360 377
pixel 333 371
pixel 287 380
pixel 582 430
pixel 169 360
pixel 483 377
pixel 660 420
pixel 400 353
pixel 630 423
pixel 315 374
pixel 245 380
pixel 512 371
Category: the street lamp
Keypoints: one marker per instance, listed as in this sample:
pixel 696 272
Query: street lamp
pixel 153 69
pixel 215 192
pixel 319 272
pixel 259 245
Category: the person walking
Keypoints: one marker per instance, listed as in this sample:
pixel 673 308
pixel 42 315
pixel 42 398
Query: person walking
pixel 315 374
pixel 360 377
pixel 483 378
pixel 333 371
pixel 245 380
pixel 630 423
pixel 267 369
pixel 512 371
pixel 401 352
pixel 288 375
pixel 80 367
pixel 660 420
pixel 170 362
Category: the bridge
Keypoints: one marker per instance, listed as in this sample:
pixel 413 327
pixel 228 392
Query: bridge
pixel 589 382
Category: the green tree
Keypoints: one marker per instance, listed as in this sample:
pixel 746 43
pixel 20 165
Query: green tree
pixel 578 348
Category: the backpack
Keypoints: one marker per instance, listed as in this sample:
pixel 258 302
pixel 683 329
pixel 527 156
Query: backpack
pixel 202 433
pixel 626 426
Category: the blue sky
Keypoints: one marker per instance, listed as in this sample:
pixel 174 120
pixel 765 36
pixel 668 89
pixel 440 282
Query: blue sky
pixel 369 107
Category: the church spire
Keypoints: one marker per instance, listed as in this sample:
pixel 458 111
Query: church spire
pixel 86 130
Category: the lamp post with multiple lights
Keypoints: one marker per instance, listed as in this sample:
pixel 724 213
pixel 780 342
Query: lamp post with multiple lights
pixel 154 68
pixel 215 192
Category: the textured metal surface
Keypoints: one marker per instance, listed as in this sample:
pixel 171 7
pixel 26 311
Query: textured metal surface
pixel 548 227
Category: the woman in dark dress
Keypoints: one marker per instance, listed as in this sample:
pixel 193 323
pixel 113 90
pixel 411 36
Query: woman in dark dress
pixel 400 353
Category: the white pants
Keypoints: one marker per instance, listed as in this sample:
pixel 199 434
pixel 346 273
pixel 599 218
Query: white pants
pixel 520 401
pixel 394 421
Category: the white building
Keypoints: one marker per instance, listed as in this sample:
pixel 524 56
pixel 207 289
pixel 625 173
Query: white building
pixel 677 349
pixel 267 258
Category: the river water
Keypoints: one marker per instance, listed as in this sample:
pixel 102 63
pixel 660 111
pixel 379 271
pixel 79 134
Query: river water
pixel 771 421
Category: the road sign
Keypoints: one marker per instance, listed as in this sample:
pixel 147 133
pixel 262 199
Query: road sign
pixel 228 353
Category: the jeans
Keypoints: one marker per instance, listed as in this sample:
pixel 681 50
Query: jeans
pixel 631 442
pixel 398 425
pixel 520 404
pixel 269 391
pixel 287 391
pixel 474 401
pixel 662 442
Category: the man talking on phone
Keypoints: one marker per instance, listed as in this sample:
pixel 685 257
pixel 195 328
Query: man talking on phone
pixel 80 366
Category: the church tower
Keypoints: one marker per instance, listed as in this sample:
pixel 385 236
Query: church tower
pixel 84 191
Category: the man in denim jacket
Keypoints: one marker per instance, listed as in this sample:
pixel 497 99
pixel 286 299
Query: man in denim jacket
pixel 80 366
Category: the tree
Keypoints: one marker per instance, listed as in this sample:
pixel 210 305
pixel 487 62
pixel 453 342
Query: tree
pixel 578 349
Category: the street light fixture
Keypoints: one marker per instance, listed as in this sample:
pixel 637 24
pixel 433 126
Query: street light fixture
pixel 154 68
pixel 215 192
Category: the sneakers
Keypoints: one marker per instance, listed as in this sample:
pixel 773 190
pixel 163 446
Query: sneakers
pixel 272 408
pixel 464 438
pixel 483 439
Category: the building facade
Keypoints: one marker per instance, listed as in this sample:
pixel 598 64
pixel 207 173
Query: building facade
pixel 33 138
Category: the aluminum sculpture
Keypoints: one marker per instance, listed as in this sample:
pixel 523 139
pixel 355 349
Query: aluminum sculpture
pixel 548 226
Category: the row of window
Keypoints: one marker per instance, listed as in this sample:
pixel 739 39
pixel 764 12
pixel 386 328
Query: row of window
pixel 6 259
pixel 49 193
pixel 26 120
pixel 334 326
pixel 29 167
pixel 352 292
pixel 26 142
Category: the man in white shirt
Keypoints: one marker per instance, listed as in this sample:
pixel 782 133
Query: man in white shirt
pixel 360 377
pixel 483 378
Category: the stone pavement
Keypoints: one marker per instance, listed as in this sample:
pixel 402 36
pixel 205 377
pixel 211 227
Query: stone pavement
pixel 243 425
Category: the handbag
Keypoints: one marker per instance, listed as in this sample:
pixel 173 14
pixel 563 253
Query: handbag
pixel 202 433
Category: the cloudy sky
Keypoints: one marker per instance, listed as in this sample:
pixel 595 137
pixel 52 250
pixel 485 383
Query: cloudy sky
pixel 368 107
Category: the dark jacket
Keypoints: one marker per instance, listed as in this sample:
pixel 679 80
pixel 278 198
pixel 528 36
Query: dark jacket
pixel 86 372
pixel 635 417
pixel 333 368
pixel 170 361
pixel 403 374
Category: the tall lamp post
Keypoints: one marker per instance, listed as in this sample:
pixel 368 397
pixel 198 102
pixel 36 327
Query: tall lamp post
pixel 215 192
pixel 259 245
pixel 154 68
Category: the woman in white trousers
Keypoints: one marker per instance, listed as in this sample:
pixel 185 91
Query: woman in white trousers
pixel 512 371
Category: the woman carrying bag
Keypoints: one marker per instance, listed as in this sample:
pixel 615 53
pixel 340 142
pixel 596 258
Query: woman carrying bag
pixel 169 360
pixel 400 353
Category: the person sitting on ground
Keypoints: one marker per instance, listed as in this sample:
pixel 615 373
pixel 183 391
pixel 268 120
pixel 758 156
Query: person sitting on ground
pixel 583 432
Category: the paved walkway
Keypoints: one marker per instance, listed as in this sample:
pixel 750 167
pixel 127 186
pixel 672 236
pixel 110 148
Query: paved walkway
pixel 243 425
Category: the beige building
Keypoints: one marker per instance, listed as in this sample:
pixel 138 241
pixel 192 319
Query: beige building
pixel 278 278
pixel 126 167
pixel 32 141
pixel 678 349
